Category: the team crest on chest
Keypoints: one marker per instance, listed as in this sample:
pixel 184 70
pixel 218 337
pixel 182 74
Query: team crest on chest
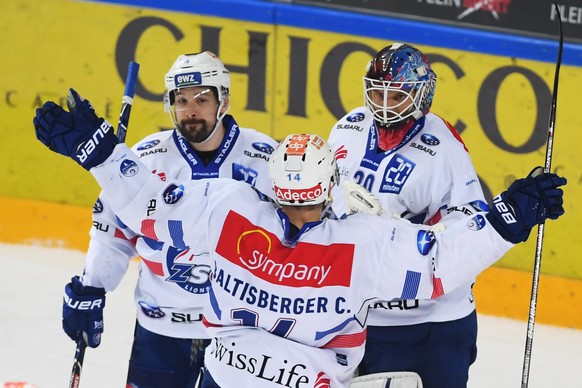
pixel 396 174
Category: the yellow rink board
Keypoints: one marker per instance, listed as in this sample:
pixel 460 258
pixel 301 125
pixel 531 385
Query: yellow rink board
pixel 499 291
pixel 496 99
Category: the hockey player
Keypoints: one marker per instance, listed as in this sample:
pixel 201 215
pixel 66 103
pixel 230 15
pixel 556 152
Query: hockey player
pixel 206 143
pixel 417 166
pixel 289 291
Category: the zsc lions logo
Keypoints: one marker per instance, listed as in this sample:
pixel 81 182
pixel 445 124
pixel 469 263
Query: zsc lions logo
pixel 128 168
pixel 148 144
pixel 429 139
pixel 263 147
pixel 173 194
pixel 354 118
pixel 150 310
pixel 476 223
pixel 424 241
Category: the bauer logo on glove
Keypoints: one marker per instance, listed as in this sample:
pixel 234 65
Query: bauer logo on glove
pixel 83 312
pixel 526 203
pixel 85 149
pixel 79 133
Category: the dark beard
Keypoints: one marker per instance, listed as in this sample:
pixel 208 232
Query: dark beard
pixel 194 130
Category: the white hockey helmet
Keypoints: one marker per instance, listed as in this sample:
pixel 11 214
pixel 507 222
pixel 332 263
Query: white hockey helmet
pixel 303 171
pixel 198 69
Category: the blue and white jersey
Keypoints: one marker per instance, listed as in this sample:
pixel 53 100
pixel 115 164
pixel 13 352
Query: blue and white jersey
pixel 427 178
pixel 291 311
pixel 172 285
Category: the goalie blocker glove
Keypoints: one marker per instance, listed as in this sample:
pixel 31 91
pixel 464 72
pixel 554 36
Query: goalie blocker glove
pixel 526 203
pixel 83 312
pixel 79 133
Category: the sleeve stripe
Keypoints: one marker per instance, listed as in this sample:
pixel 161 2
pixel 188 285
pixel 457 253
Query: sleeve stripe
pixel 411 284
pixel 154 267
pixel 177 234
pixel 153 244
pixel 352 340
pixel 148 230
pixel 437 288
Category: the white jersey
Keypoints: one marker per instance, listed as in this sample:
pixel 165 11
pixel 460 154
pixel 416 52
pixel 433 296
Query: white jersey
pixel 288 311
pixel 171 288
pixel 427 178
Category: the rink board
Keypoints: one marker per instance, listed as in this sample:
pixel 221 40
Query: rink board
pixel 288 75
pixel 499 291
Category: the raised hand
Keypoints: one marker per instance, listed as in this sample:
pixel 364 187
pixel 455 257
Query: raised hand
pixel 79 134
pixel 526 203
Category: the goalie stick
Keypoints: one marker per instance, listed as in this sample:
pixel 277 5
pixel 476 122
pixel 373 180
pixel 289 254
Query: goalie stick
pixel 126 104
pixel 540 236
pixel 388 380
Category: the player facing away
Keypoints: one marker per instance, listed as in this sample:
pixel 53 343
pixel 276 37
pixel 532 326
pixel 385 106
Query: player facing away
pixel 417 166
pixel 206 142
pixel 290 291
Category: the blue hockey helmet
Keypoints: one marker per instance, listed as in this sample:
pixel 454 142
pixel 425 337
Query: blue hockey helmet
pixel 399 68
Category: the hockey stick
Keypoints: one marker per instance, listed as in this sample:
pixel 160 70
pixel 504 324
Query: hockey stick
pixel 540 237
pixel 126 104
pixel 78 363
pixel 387 379
pixel 127 100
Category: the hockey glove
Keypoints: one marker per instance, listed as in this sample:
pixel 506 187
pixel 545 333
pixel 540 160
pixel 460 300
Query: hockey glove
pixel 83 312
pixel 79 133
pixel 526 203
pixel 360 200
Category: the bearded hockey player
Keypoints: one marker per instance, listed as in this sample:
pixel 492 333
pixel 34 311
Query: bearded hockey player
pixel 206 142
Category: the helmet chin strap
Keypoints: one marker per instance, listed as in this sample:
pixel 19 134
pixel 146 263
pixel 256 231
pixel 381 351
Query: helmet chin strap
pixel 219 118
pixel 396 125
pixel 417 114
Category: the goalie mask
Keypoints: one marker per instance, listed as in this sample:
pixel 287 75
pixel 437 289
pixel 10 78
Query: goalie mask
pixel 303 171
pixel 200 69
pixel 403 69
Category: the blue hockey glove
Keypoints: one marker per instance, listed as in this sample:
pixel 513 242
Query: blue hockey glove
pixel 526 203
pixel 79 133
pixel 83 312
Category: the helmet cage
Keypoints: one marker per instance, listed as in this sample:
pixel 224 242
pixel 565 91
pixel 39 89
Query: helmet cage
pixel 303 170
pixel 404 69
pixel 415 94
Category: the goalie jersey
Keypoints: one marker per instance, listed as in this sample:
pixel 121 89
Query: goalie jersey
pixel 291 311
pixel 427 178
pixel 172 286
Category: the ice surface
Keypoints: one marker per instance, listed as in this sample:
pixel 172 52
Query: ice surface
pixel 34 348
